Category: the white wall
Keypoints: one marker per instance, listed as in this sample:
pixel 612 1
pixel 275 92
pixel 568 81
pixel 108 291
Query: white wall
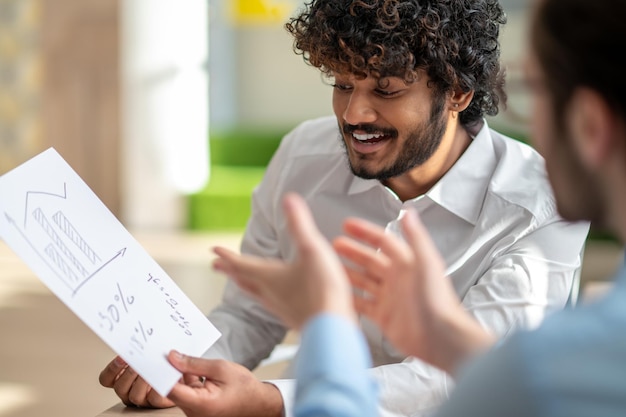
pixel 275 86
pixel 164 146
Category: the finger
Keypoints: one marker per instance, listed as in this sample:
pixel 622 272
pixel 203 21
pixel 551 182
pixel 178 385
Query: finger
pixel 224 252
pixel 201 367
pixel 223 266
pixel 138 393
pixel 193 380
pixel 260 279
pixel 111 372
pixel 363 281
pixel 366 306
pixel 245 283
pixel 156 400
pixel 198 400
pixel 246 266
pixel 225 260
pixel 362 256
pixel 365 231
pixel 377 238
pixel 184 396
pixel 251 273
pixel 124 384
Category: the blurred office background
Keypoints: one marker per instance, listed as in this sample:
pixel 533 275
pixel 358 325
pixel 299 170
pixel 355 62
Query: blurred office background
pixel 145 99
pixel 127 90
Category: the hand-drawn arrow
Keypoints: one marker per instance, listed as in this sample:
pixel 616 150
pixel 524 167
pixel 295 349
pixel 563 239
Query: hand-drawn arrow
pixel 121 252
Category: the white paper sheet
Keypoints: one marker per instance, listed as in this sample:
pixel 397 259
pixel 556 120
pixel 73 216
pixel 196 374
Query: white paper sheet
pixel 74 244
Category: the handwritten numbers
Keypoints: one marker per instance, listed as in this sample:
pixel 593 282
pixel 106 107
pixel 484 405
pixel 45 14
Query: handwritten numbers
pixel 140 337
pixel 112 316
pixel 176 316
pixel 115 312
pixel 120 297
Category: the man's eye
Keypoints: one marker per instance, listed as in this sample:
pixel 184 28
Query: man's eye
pixel 341 87
pixel 386 93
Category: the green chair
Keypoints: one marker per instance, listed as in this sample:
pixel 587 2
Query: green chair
pixel 239 158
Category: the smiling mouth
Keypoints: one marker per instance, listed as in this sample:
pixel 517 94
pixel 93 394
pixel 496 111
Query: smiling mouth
pixel 370 138
pixel 367 139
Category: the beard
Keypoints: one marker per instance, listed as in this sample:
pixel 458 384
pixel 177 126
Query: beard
pixel 421 143
pixel 578 192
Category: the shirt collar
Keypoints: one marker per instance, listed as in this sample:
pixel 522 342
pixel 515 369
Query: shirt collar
pixel 360 185
pixel 462 189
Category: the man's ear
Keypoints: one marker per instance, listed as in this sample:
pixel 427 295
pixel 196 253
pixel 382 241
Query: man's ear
pixel 460 100
pixel 591 122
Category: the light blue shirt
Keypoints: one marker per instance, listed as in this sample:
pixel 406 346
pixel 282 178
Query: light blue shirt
pixel 331 371
pixel 573 365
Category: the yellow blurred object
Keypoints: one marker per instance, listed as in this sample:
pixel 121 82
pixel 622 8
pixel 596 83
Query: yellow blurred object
pixel 260 12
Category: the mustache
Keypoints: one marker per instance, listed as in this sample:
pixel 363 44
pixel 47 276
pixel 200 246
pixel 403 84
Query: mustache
pixel 348 129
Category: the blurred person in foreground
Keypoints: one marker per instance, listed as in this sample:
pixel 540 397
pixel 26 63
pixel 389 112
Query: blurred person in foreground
pixel 572 365
pixel 412 82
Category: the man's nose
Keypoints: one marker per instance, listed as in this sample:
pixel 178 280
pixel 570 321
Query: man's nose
pixel 359 109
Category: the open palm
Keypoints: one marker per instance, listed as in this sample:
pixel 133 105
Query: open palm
pixel 314 282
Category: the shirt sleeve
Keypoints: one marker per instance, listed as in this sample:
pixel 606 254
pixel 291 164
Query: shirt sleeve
pixel 332 371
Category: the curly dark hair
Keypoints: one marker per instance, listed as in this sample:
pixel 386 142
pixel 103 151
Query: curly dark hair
pixel 454 41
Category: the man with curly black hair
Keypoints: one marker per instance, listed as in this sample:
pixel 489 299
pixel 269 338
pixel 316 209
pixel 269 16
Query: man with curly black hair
pixel 574 364
pixel 412 82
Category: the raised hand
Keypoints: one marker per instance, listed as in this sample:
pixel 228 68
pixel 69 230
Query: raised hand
pixel 315 282
pixel 405 291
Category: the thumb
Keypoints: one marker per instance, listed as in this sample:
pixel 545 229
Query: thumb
pixel 216 370
pixel 189 364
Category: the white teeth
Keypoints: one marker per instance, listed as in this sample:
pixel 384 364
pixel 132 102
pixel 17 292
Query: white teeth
pixel 367 136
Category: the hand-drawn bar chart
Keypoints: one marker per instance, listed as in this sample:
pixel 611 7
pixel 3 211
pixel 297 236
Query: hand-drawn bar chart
pixel 65 250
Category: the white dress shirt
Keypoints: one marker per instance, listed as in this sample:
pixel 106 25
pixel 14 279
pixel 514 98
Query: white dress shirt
pixel 510 257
